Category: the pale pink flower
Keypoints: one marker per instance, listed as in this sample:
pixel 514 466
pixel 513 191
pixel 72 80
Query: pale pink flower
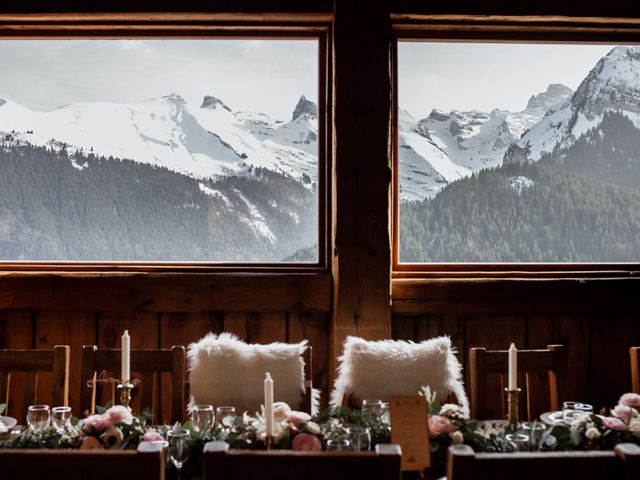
pixel 613 423
pixel 119 414
pixel 306 441
pixel 624 413
pixel 91 443
pixel 97 422
pixel 298 417
pixel 439 424
pixel 152 436
pixel 630 400
pixel 281 411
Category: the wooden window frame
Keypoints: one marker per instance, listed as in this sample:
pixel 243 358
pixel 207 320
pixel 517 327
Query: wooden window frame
pixel 195 26
pixel 507 29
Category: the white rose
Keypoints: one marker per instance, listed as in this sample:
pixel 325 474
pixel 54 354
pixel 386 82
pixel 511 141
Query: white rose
pixel 634 426
pixel 592 433
pixel 457 438
pixel 313 427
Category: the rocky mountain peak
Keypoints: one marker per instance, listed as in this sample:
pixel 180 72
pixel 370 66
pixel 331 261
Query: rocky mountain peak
pixel 212 102
pixel 553 95
pixel 305 106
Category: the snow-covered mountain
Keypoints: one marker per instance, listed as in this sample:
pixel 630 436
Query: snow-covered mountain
pixel 613 85
pixel 444 147
pixel 202 141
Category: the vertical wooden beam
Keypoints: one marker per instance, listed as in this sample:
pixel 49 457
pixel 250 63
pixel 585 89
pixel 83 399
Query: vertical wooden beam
pixel 361 258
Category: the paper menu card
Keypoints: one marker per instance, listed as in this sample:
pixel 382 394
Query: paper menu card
pixel 410 429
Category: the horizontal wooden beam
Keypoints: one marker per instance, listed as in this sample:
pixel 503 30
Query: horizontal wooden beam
pixel 166 292
pixel 167 17
pixel 495 296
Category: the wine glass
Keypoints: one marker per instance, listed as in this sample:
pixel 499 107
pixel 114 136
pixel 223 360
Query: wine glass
pixel 338 444
pixel 572 410
pixel 202 417
pixel 226 416
pixel 178 447
pixel 38 417
pixel 61 418
pixel 372 407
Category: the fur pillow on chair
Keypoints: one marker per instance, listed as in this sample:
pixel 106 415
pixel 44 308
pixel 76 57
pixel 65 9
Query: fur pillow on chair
pixel 380 369
pixel 224 370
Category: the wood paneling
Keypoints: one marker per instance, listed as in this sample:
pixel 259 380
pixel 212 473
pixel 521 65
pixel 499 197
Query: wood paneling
pixel 485 296
pixel 165 292
pixel 16 332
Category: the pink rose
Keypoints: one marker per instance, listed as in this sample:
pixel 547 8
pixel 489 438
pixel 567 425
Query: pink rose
pixel 119 414
pixel 630 400
pixel 439 425
pixel 152 436
pixel 97 422
pixel 624 413
pixel 91 443
pixel 298 417
pixel 613 423
pixel 281 411
pixel 306 441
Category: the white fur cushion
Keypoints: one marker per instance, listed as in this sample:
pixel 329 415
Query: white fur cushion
pixel 380 369
pixel 226 371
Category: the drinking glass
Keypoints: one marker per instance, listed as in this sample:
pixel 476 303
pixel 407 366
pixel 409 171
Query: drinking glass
pixel 373 407
pixel 202 417
pixel 572 410
pixel 338 444
pixel 38 417
pixel 360 439
pixel 226 416
pixel 165 448
pixel 178 448
pixel 517 442
pixel 385 416
pixel 534 431
pixel 61 418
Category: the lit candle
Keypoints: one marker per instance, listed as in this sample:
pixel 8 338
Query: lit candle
pixel 268 405
pixel 513 367
pixel 125 374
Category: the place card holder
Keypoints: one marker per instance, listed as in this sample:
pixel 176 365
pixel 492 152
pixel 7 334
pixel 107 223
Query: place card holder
pixel 410 429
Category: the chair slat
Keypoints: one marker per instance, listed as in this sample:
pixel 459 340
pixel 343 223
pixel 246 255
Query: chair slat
pixel 634 353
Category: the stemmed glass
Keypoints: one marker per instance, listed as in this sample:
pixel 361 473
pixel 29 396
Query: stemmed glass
pixel 38 417
pixel 61 418
pixel 226 416
pixel 202 417
pixel 178 447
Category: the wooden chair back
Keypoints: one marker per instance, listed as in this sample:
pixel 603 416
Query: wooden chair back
pixel 634 353
pixel 542 377
pixel 33 363
pixel 222 463
pixel 622 463
pixel 147 462
pixel 147 367
pixel 307 399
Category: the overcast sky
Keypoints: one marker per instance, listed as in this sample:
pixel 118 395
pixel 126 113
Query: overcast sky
pixel 466 76
pixel 260 75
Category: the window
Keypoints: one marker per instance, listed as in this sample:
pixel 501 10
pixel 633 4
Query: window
pixel 515 152
pixel 172 150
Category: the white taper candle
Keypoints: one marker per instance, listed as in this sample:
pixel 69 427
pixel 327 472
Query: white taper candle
pixel 125 373
pixel 513 367
pixel 268 405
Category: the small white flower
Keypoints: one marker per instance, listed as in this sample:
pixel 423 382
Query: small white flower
pixel 634 426
pixel 592 433
pixel 450 410
pixel 457 438
pixel 313 427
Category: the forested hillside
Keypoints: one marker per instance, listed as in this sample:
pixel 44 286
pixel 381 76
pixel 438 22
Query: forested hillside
pixel 56 205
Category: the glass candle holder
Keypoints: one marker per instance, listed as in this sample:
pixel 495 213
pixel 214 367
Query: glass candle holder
pixel 38 417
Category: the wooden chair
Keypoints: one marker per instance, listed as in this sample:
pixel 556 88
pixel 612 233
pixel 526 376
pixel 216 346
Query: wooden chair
pixel 147 462
pixel 149 364
pixel 34 362
pixel 221 463
pixel 488 399
pixel 634 353
pixel 621 463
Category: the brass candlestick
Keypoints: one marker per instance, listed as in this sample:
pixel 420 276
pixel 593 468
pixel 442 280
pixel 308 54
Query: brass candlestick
pixel 512 406
pixel 125 393
pixel 269 441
